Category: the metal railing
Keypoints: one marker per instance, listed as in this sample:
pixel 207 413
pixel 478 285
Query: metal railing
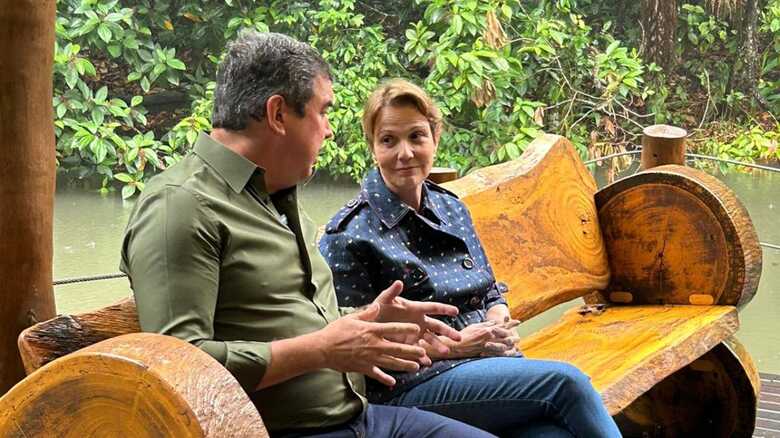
pixel 86 279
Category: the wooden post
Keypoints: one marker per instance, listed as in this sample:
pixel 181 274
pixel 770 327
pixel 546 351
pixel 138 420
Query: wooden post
pixel 663 144
pixel 441 175
pixel 27 172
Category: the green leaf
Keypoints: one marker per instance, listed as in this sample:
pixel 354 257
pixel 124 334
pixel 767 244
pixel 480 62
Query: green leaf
pixel 158 70
pixel 125 178
pixel 114 50
pixel 134 76
pixel 104 33
pixel 145 84
pixel 173 78
pixel 128 191
pixel 114 17
pixel 61 109
pixel 612 47
pixel 101 150
pixel 145 55
pixel 87 66
pixel 457 24
pixel 71 77
pixel 175 63
pixel 131 43
pixel 506 10
pixel 136 100
pixel 98 116
pixel 101 94
pixel 131 155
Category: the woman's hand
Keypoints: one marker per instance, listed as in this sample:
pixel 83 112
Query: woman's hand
pixel 505 339
pixel 487 338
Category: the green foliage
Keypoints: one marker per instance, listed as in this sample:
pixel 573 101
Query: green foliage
pixel 502 71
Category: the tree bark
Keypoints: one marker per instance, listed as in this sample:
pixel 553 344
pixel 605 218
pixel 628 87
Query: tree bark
pixel 26 174
pixel 659 21
pixel 744 74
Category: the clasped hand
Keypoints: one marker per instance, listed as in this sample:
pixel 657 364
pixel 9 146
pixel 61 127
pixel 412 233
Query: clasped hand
pixel 488 338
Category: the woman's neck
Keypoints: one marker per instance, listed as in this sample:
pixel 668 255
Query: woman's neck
pixel 412 198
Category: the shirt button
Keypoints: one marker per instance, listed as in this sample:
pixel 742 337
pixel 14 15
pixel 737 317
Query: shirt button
pixel 468 263
pixel 475 301
pixel 352 203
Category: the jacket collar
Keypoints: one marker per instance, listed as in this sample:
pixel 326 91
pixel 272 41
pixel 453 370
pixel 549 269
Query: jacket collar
pixel 236 170
pixel 389 207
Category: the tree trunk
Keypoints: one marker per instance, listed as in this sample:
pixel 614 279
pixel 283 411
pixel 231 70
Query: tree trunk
pixel 659 21
pixel 744 75
pixel 26 174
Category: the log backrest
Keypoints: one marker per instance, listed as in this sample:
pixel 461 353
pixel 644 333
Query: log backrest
pixel 676 235
pixel 64 334
pixel 537 219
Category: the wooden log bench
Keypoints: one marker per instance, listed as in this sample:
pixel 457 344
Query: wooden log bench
pixel 663 259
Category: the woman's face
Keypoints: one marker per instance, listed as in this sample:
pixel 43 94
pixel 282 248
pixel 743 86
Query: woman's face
pixel 404 147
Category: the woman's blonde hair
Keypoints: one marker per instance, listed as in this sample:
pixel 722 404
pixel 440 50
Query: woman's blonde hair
pixel 396 92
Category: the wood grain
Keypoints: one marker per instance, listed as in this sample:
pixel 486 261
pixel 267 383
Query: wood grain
pixel 714 396
pixel 27 171
pixel 139 385
pixel 49 340
pixel 537 220
pixel 626 350
pixel 675 235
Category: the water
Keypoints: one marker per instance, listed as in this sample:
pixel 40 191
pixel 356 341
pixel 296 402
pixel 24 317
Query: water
pixel 88 238
pixel 88 232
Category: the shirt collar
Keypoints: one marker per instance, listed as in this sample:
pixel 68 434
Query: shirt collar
pixel 387 205
pixel 232 167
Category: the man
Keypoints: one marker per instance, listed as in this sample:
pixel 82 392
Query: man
pixel 220 255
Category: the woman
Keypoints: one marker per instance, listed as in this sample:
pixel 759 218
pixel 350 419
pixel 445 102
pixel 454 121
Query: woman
pixel 402 226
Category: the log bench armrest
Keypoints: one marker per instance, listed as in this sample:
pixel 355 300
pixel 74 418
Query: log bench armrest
pixel 138 384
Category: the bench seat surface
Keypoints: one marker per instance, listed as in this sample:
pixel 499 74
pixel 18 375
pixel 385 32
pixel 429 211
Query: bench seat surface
pixel 628 349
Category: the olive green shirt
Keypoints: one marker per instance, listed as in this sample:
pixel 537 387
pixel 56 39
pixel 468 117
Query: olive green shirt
pixel 215 260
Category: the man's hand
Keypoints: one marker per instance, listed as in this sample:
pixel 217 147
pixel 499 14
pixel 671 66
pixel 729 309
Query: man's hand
pixel 393 308
pixel 356 343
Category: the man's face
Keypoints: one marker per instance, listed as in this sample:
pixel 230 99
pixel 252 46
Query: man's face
pixel 306 134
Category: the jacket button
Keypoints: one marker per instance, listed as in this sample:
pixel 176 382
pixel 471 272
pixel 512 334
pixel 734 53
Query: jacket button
pixel 475 301
pixel 468 263
pixel 352 203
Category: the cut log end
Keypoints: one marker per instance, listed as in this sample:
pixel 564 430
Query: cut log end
pixel 139 385
pixel 714 396
pixel 675 235
pixel 665 131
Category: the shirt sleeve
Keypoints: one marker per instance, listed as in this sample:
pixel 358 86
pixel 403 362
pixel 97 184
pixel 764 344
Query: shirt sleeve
pixel 354 286
pixel 171 252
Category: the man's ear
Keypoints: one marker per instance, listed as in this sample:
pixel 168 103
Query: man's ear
pixel 275 113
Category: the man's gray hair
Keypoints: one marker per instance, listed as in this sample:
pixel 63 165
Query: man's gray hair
pixel 258 66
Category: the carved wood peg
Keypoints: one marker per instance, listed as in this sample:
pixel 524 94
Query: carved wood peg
pixel 662 144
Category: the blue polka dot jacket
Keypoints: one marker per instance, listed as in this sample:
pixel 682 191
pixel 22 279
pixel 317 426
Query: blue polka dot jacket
pixel 377 239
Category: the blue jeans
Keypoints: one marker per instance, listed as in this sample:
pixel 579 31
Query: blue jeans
pixel 514 397
pixel 394 422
